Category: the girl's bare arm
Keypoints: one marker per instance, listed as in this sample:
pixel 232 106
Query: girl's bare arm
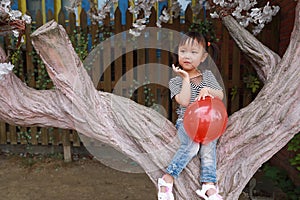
pixel 183 98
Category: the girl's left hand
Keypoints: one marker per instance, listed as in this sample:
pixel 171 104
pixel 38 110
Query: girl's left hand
pixel 204 92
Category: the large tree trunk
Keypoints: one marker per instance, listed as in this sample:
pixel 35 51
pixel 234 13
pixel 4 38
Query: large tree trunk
pixel 257 132
pixel 254 133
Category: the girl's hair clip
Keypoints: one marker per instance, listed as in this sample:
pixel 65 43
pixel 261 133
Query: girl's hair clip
pixel 208 44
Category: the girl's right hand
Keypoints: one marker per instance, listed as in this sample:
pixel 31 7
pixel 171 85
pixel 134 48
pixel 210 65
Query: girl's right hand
pixel 180 72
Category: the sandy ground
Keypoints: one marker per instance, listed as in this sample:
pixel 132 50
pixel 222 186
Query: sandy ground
pixel 32 178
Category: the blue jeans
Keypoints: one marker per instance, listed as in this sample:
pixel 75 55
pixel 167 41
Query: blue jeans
pixel 189 149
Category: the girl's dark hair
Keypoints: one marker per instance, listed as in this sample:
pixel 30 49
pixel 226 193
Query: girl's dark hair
pixel 196 36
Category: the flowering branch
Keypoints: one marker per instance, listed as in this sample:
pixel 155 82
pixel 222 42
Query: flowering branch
pixel 135 9
pixel 173 11
pixel 244 13
pixel 99 14
pixel 242 10
pixel 96 15
pixel 12 21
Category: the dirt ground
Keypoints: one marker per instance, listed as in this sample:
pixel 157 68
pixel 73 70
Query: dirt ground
pixel 24 176
pixel 41 177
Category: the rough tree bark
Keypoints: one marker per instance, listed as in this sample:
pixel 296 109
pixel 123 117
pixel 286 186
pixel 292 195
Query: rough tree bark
pixel 254 133
pixel 257 132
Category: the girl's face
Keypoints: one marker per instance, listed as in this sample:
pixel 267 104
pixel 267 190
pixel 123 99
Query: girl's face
pixel 191 54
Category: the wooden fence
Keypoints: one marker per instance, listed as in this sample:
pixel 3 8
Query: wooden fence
pixel 231 63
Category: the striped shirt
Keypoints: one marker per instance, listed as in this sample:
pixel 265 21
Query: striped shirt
pixel 175 86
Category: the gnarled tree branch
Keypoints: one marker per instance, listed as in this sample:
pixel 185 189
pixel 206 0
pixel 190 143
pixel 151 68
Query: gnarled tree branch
pixel 263 59
pixel 256 132
pixel 25 106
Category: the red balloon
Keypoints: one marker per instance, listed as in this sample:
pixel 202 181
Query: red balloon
pixel 205 120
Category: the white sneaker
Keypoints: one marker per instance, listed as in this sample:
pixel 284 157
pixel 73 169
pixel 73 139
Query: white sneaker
pixel 205 187
pixel 168 195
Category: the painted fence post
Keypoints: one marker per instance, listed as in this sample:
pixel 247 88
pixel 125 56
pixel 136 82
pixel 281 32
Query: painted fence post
pixel 57 8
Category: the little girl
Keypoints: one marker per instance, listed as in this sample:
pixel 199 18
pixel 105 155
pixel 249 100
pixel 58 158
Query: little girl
pixel 188 86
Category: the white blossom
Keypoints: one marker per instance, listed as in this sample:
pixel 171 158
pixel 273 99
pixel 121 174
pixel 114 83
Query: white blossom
pixel 12 15
pixel 134 32
pixel 245 22
pixel 13 18
pixel 139 25
pixel 164 17
pixel 16 33
pixel 5 4
pixel 15 14
pixel 134 10
pixel 214 15
pixel 5 68
pixel 255 12
pixel 237 13
pixel 27 19
pixel 158 24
